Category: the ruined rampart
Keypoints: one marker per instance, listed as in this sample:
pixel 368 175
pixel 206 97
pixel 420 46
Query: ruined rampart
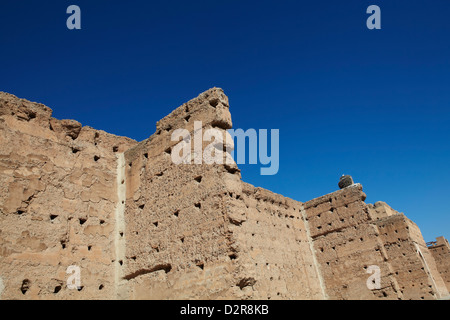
pixel 139 226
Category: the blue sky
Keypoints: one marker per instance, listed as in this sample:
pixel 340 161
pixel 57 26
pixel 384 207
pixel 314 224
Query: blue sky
pixel 371 103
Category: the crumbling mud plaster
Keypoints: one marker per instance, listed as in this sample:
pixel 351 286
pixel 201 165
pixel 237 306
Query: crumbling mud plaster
pixel 350 236
pixel 440 250
pixel 140 226
pixel 57 202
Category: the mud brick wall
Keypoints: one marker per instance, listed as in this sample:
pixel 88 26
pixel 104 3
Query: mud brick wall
pixel 414 268
pixel 380 210
pixel 346 245
pixel 350 236
pixel 140 226
pixel 177 237
pixel 57 200
pixel 279 258
pixel 197 231
pixel 441 254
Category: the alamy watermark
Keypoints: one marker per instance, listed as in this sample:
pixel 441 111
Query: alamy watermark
pixel 374 281
pixel 74 20
pixel 220 147
pixel 374 21
pixel 74 280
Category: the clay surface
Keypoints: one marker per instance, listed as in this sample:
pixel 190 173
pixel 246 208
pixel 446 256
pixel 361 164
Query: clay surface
pixel 139 226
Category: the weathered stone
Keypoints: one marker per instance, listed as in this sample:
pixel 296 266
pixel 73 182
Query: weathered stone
pixel 141 227
pixel 70 128
pixel 440 251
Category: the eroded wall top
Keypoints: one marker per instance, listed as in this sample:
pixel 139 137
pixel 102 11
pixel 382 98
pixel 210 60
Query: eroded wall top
pixel 57 198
